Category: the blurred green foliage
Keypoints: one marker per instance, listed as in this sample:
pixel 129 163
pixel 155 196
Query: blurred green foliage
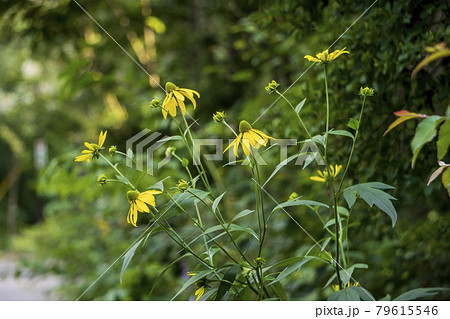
pixel 63 80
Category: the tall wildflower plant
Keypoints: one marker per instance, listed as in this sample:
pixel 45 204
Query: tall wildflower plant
pixel 230 261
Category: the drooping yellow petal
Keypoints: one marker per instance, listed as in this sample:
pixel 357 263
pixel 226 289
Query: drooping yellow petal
pixel 147 198
pixel 86 152
pixel 246 146
pixel 182 106
pixel 321 174
pixel 189 92
pixel 332 170
pixel 251 138
pixel 171 107
pixel 141 206
pixel 190 96
pixel 199 292
pixel 317 179
pixel 132 215
pixel 265 136
pixel 178 95
pixel 260 140
pixel 338 169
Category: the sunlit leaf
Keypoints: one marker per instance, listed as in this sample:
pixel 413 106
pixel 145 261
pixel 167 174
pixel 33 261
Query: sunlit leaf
pixel 443 140
pixel 425 132
pixel 403 115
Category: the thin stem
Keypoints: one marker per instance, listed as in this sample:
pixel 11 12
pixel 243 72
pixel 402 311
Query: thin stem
pixel 328 109
pixel 332 187
pixel 353 145
pixel 115 168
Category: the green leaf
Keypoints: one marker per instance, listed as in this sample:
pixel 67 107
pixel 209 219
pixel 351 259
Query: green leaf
pixel 364 294
pixel 123 179
pixel 345 274
pixel 425 132
pixel 127 258
pixel 278 290
pixel 299 106
pixel 342 133
pixel 419 293
pixel 198 275
pixel 280 166
pixel 171 138
pixel 295 265
pixel 372 194
pixel 186 200
pixel 346 294
pixel 353 124
pixel 296 202
pixel 158 185
pixel 443 140
pixel 242 214
pixel 227 281
pixel 216 202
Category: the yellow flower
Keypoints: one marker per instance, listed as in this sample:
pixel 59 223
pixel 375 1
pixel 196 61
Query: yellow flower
pixel 324 175
pixel 336 287
pixel 92 149
pixel 248 136
pixel 175 97
pixel 138 203
pixel 325 57
pixel 201 286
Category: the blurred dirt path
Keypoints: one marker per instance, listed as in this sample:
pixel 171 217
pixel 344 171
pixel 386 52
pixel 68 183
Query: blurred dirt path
pixel 24 287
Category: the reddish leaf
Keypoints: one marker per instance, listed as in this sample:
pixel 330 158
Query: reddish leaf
pixel 403 115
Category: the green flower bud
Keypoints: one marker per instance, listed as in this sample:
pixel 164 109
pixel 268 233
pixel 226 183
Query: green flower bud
pixel 272 87
pixel 170 151
pixel 155 103
pixel 185 162
pixel 219 117
pixel 182 185
pixel 259 261
pixel 112 150
pixel 367 91
pixel 293 196
pixel 101 179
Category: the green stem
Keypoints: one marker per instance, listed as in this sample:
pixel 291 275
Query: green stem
pixel 332 187
pixel 115 168
pixel 328 110
pixel 353 145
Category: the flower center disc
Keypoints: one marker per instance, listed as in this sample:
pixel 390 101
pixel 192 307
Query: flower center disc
pixel 132 196
pixel 244 126
pixel 170 87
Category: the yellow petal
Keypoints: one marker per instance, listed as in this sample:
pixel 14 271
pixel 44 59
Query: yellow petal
pixel 246 146
pixel 132 215
pixel 262 134
pixel 260 140
pixel 101 139
pixel 141 206
pixel 189 92
pixel 89 146
pixel 317 179
pixel 338 169
pixel 178 95
pixel 182 106
pixel 81 158
pixel 191 98
pixel 312 59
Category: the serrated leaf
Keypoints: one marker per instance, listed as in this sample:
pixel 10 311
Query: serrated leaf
pixel 419 293
pixel 299 106
pixel 127 257
pixel 403 115
pixel 425 132
pixel 216 202
pixel 443 141
pixel 372 194
pixel 227 281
